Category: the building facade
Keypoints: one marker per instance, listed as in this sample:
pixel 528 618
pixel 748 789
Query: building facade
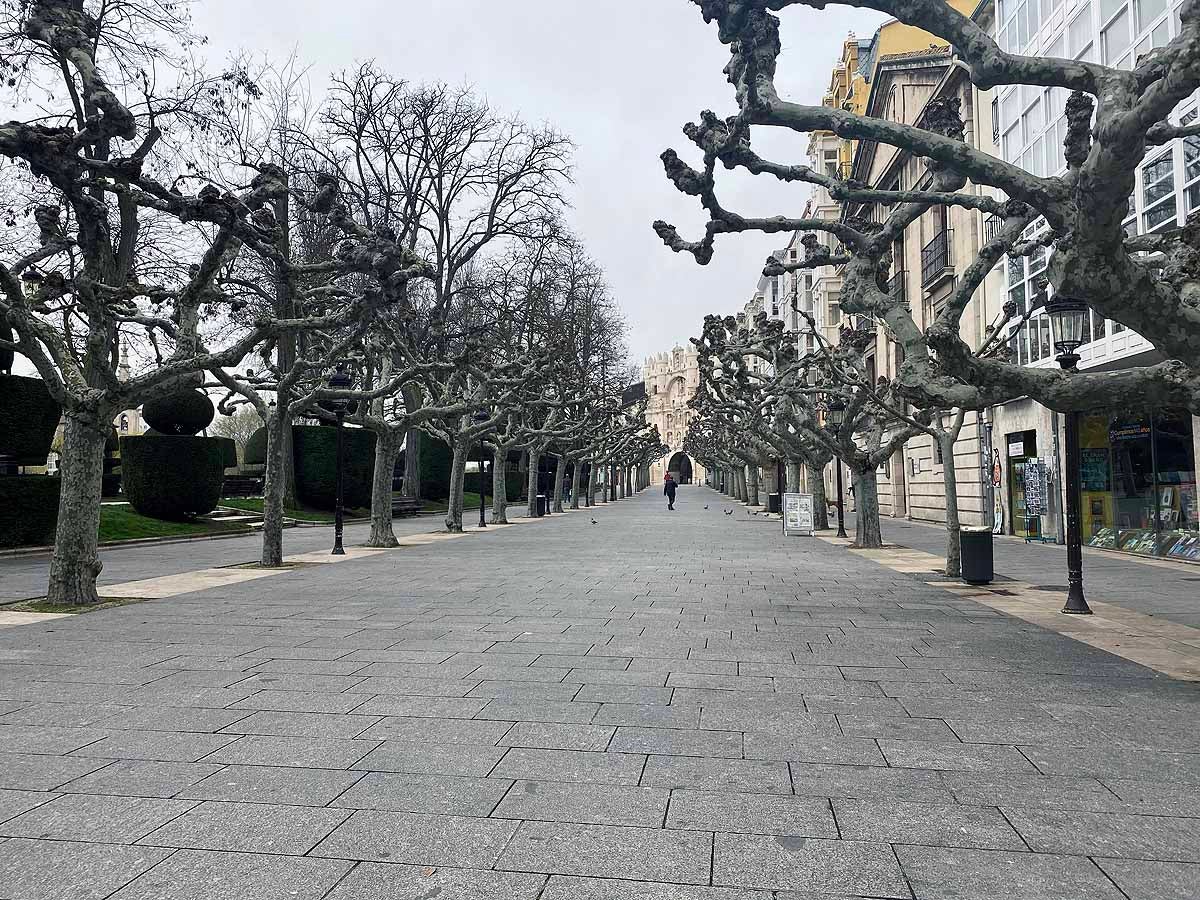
pixel 671 380
pixel 1138 473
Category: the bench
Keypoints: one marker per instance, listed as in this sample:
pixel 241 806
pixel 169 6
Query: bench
pixel 405 506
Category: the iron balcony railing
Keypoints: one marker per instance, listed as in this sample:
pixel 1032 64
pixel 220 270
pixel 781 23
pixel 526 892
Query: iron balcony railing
pixel 935 258
pixel 991 227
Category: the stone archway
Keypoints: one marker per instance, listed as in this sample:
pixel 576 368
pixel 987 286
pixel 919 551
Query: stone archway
pixel 680 468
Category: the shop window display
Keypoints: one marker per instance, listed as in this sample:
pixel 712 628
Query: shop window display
pixel 1138 484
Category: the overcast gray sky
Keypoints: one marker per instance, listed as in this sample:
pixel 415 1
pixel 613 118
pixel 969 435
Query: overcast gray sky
pixel 621 77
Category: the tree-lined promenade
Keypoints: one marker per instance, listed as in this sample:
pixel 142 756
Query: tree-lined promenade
pixel 235 233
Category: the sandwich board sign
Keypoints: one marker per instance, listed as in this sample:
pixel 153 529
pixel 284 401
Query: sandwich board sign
pixel 798 514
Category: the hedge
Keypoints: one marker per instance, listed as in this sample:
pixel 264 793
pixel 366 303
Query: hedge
pixel 184 413
pixel 514 484
pixel 315 453
pixel 174 477
pixel 255 453
pixel 28 419
pixel 28 509
pixel 229 449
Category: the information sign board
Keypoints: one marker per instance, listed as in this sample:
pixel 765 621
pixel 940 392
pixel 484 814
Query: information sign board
pixel 798 514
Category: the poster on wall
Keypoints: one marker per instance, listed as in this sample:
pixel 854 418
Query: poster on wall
pixel 1093 469
pixel 798 514
pixel 1035 487
pixel 997 503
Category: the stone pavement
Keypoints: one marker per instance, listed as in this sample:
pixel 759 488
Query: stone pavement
pixel 670 706
pixel 1166 588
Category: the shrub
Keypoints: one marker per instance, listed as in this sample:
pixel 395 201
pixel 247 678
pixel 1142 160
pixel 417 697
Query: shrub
pixel 315 454
pixel 175 477
pixel 514 484
pixel 183 413
pixel 255 453
pixel 28 419
pixel 229 449
pixel 28 509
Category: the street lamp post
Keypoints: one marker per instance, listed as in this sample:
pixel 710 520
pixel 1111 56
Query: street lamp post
pixel 340 380
pixel 1067 317
pixel 837 415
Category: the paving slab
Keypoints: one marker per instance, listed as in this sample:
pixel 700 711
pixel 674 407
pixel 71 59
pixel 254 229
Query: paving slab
pixel 216 875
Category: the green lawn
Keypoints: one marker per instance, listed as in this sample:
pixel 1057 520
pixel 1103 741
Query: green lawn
pixel 255 504
pixel 470 502
pixel 119 522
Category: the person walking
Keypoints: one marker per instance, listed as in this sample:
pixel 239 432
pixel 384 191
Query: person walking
pixel 669 487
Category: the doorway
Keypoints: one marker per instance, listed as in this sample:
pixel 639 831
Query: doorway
pixel 680 468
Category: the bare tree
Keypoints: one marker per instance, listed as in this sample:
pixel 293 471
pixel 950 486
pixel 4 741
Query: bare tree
pixel 1114 118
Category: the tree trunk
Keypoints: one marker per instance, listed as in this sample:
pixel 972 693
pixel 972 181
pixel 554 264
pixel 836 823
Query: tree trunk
pixel 286 356
pixel 535 458
pixel 560 478
pixel 592 468
pixel 950 480
pixel 412 464
pixel 816 481
pixel 75 563
pixel 793 476
pixel 752 486
pixel 500 485
pixel 387 448
pixel 274 487
pixel 868 533
pixel 458 473
pixel 576 483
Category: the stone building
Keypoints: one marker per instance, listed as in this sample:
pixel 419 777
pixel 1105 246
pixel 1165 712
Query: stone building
pixel 671 380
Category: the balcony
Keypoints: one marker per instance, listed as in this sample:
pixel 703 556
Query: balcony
pixel 935 259
pixel 991 227
pixel 895 288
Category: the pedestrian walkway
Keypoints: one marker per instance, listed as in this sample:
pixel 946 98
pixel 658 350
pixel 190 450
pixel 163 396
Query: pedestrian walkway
pixel 673 707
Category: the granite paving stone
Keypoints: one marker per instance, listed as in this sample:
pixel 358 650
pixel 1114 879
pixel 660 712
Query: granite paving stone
pixel 611 851
pixel 1108 834
pixel 939 873
pixel 253 827
pixel 443 731
pixel 557 736
pixel 273 784
pixel 1142 879
pixel 37 772
pixel 218 875
pixel 69 870
pixel 424 793
pixel 417 839
pixel 160 746
pixel 594 804
pixel 760 776
pixel 939 824
pixel 13 803
pixel 568 887
pixel 776 862
pixel 751 813
pixel 141 778
pixel 571 765
pixel 302 724
pixel 91 817
pixel 677 742
pixel 307 752
pixel 431 759
pixel 384 881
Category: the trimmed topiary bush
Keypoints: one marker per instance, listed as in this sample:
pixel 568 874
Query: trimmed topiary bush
pixel 184 413
pixel 514 484
pixel 7 356
pixel 315 454
pixel 229 448
pixel 255 453
pixel 175 477
pixel 435 468
pixel 28 418
pixel 28 509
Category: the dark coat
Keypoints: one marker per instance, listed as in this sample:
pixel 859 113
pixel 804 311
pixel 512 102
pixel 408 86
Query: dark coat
pixel 669 488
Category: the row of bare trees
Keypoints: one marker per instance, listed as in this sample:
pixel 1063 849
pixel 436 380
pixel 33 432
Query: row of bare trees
pixel 236 233
pixel 1149 283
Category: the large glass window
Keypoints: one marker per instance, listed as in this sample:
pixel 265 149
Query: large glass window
pixel 1114 40
pixel 1158 192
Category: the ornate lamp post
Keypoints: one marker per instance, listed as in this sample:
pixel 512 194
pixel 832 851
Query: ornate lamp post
pixel 1067 318
pixel 837 415
pixel 481 416
pixel 340 380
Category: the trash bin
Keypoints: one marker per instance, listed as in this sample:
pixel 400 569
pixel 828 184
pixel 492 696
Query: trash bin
pixel 773 503
pixel 975 543
pixel 542 505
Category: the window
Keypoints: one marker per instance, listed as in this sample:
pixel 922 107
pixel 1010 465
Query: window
pixel 1148 11
pixel 1079 33
pixel 1114 40
pixel 835 314
pixel 1158 193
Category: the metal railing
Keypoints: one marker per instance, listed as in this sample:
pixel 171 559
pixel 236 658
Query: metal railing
pixel 991 226
pixel 935 258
